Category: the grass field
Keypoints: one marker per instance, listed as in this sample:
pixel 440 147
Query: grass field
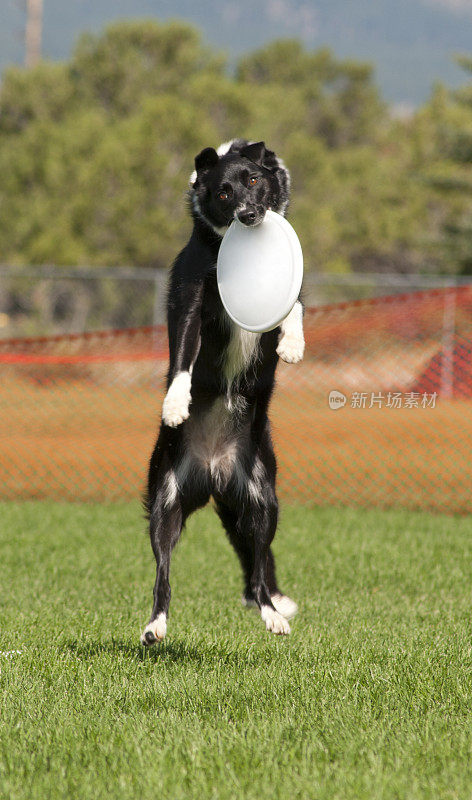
pixel 370 697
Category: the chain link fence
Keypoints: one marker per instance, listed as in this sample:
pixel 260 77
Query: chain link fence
pixel 379 413
pixel 49 300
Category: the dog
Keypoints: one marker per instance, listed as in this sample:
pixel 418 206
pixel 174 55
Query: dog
pixel 214 438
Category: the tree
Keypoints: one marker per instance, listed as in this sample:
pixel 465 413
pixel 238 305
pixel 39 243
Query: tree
pixel 133 60
pixel 43 93
pixel 95 153
pixel 341 103
pixel 449 171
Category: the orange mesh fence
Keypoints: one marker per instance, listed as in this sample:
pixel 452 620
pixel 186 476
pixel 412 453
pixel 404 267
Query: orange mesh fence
pixel 379 413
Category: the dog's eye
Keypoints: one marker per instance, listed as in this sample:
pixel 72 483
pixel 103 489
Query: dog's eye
pixel 253 181
pixel 223 195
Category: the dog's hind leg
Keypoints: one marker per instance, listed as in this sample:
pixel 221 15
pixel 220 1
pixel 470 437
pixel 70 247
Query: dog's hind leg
pixel 250 524
pixel 261 520
pixel 172 496
pixel 166 522
pixel 240 541
pixel 281 602
pixel 244 549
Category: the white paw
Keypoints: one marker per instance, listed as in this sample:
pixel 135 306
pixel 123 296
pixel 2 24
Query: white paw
pixel 274 621
pixel 284 605
pixel 281 602
pixel 291 348
pixel 155 631
pixel 175 408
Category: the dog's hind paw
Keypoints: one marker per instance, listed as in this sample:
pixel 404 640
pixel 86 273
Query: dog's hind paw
pixel 291 348
pixel 175 408
pixel 155 631
pixel 281 602
pixel 284 605
pixel 274 621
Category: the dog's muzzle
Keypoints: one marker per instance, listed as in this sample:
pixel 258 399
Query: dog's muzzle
pixel 249 216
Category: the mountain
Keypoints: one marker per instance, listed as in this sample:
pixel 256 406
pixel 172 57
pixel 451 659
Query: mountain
pixel 411 42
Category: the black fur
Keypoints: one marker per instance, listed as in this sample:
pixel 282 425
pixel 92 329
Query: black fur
pixel 224 448
pixel 231 174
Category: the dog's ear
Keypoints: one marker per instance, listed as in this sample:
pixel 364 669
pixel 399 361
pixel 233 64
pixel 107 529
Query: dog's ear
pixel 206 159
pixel 254 152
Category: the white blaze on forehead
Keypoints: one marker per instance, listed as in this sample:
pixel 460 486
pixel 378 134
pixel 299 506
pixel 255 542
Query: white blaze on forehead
pixel 224 147
pixel 221 150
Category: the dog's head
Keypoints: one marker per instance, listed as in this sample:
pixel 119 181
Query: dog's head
pixel 240 180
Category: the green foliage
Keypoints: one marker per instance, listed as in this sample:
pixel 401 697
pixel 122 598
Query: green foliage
pixel 44 93
pixel 340 103
pixel 130 61
pixel 449 175
pixel 95 153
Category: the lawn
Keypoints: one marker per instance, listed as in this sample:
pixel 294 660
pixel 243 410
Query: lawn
pixel 370 697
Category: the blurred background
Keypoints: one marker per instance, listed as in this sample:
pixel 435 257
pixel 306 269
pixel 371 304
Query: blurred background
pixel 370 105
pixel 103 106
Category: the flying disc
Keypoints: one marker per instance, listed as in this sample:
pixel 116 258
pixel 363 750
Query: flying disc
pixel 260 272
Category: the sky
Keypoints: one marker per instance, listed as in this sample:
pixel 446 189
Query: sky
pixel 411 43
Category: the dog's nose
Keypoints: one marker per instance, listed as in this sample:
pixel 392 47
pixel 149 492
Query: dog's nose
pixel 247 216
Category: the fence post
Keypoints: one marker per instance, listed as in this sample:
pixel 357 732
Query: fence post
pixel 158 313
pixel 447 360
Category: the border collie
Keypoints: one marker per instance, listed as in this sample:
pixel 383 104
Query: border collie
pixel 214 439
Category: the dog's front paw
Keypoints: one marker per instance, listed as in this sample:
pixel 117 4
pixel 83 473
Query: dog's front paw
pixel 155 631
pixel 274 621
pixel 175 408
pixel 291 348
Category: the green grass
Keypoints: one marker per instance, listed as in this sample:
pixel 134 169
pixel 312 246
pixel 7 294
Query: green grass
pixel 370 697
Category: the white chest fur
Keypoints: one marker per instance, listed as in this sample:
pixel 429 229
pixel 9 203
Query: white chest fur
pixel 242 350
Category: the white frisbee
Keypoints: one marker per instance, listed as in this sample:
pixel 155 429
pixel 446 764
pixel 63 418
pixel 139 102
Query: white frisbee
pixel 260 272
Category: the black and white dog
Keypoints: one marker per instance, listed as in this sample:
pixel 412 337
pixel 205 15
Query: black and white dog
pixel 214 438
